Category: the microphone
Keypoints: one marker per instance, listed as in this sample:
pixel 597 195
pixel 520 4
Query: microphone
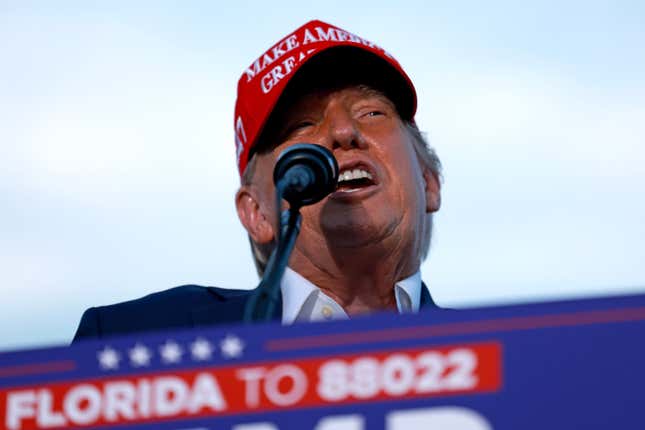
pixel 305 173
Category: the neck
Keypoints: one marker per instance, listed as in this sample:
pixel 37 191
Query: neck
pixel 360 282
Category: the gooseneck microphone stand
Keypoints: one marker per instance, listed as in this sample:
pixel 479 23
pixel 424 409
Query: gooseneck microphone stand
pixel 262 303
pixel 304 174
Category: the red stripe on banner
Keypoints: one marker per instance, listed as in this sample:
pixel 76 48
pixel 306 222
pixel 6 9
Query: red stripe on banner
pixel 462 328
pixel 283 385
pixel 37 368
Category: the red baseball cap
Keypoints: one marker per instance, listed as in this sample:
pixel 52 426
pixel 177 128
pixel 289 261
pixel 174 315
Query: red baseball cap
pixel 326 51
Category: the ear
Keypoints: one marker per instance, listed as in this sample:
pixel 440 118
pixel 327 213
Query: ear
pixel 432 190
pixel 251 216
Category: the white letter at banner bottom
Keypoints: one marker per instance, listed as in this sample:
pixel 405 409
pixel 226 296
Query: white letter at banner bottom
pixel 450 417
pixel 342 422
pixel 255 426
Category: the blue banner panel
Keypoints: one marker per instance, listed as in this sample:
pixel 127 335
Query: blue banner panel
pixel 563 365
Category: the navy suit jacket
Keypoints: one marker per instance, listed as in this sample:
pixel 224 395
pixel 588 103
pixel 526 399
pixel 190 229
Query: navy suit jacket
pixel 180 307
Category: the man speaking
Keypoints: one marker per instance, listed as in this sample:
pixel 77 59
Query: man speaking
pixel 360 248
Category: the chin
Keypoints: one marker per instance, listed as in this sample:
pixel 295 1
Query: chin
pixel 356 234
pixel 358 225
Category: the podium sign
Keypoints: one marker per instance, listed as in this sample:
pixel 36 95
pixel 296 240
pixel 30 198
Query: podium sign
pixel 564 365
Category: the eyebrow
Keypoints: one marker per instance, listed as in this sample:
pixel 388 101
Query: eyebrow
pixel 373 92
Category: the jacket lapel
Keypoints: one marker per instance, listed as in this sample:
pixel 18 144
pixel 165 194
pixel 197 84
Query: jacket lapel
pixel 230 309
pixel 426 302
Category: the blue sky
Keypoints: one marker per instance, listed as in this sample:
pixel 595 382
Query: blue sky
pixel 117 170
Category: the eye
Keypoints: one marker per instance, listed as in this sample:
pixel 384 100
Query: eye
pixel 296 127
pixel 372 113
pixel 302 124
pixel 371 110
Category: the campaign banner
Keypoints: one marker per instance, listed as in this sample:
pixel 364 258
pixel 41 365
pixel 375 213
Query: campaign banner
pixel 572 364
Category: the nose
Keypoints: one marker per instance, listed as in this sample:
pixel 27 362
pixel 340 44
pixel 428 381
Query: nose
pixel 343 131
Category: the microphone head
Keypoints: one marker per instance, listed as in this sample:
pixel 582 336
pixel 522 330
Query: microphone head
pixel 317 169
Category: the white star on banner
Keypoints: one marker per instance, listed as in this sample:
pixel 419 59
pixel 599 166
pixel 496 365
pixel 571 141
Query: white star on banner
pixel 170 352
pixel 231 346
pixel 108 358
pixel 140 355
pixel 201 349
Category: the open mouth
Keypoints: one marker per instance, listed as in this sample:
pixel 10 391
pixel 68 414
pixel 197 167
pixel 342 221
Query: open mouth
pixel 354 179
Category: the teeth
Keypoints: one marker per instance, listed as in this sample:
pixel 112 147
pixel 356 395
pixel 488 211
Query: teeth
pixel 349 175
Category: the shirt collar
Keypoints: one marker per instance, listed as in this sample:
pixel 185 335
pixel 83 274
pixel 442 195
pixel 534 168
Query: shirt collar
pixel 296 290
pixel 410 286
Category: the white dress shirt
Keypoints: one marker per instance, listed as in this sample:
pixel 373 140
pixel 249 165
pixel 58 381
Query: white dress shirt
pixel 303 301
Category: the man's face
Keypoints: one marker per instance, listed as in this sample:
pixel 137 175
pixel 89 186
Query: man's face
pixel 384 194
